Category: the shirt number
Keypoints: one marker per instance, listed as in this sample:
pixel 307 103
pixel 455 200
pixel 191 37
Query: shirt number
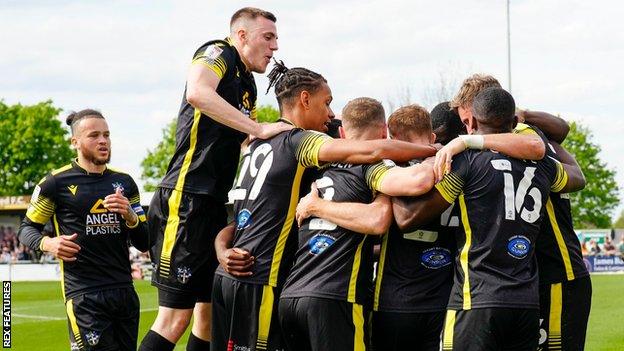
pixel 515 198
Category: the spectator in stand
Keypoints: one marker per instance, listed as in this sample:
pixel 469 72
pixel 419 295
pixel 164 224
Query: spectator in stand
pixel 6 255
pixel 594 249
pixel 621 246
pixel 609 248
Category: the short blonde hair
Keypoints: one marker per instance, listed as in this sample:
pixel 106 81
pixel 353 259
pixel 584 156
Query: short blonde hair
pixel 410 119
pixel 471 87
pixel 363 112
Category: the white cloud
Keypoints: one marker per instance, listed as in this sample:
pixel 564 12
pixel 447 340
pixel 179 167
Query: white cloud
pixel 130 59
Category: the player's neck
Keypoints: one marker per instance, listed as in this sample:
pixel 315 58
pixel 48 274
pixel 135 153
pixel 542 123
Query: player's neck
pixel 89 166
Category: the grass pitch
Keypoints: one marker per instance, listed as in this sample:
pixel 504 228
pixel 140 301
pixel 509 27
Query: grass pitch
pixel 39 320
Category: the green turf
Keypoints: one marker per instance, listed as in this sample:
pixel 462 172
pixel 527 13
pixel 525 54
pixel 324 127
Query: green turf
pixel 39 317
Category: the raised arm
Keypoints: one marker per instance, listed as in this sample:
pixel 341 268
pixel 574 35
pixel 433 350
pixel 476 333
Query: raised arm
pixel 358 152
pixel 373 218
pixel 522 146
pixel 201 93
pixel 576 178
pixel 555 128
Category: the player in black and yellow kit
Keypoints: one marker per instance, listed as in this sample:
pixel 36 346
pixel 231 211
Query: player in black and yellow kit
pixel 216 115
pixel 326 298
pixel 95 210
pixel 265 200
pixel 415 270
pixel 494 302
pixel 565 285
pixel 564 280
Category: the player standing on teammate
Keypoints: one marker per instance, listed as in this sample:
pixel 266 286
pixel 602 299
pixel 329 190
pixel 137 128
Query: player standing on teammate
pixel 95 210
pixel 217 114
pixel 265 200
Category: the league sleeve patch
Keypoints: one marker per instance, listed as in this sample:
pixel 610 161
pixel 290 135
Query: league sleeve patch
pixel 212 52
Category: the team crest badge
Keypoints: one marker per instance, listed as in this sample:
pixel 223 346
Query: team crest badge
pixel 92 337
pixel 118 186
pixel 183 274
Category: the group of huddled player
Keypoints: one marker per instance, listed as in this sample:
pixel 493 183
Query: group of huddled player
pixel 464 211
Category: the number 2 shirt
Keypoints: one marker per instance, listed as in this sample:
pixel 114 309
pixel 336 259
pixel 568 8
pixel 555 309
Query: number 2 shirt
pixel 502 203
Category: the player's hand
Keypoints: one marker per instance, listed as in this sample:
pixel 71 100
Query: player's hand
pixel 305 205
pixel 118 203
pixel 62 247
pixel 237 262
pixel 268 130
pixel 444 157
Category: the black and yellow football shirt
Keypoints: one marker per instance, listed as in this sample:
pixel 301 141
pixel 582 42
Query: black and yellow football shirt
pixel 73 198
pixel 265 199
pixel 331 261
pixel 207 152
pixel 502 204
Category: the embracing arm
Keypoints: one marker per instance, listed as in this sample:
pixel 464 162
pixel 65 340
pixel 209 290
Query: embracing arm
pixel 235 261
pixel 523 146
pixel 555 128
pixel 576 178
pixel 369 151
pixel 408 181
pixel 373 218
pixel 412 212
pixel 201 93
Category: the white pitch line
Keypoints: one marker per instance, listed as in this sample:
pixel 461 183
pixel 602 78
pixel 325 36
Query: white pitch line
pixel 47 318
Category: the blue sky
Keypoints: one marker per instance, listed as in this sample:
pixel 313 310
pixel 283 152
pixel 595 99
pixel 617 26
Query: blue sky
pixel 129 58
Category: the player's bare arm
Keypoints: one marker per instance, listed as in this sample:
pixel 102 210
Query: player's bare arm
pixel 408 181
pixel 576 178
pixel 370 151
pixel 374 218
pixel 555 128
pixel 201 93
pixel 235 261
pixel 522 146
pixel 412 212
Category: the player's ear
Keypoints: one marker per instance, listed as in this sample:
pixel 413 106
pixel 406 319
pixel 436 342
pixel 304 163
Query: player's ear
pixel 304 98
pixel 341 132
pixel 384 131
pixel 432 138
pixel 515 122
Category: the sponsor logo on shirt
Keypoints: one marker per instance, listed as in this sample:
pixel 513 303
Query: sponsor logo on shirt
pixel 435 257
pixel 320 243
pixel 518 246
pixel 243 219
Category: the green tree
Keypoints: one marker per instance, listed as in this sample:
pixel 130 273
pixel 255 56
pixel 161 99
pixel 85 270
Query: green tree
pixel 154 165
pixel 591 207
pixel 619 223
pixel 32 143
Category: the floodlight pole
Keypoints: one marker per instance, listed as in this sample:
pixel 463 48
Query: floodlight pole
pixel 508 51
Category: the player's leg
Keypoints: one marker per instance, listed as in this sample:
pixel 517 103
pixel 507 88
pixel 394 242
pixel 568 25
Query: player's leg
pixel 294 327
pixel 397 331
pixel 208 220
pixel 200 336
pixel 125 303
pixel 521 328
pixel 575 313
pixel 335 325
pixel 429 334
pixel 470 330
pixel 90 323
pixel 174 314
